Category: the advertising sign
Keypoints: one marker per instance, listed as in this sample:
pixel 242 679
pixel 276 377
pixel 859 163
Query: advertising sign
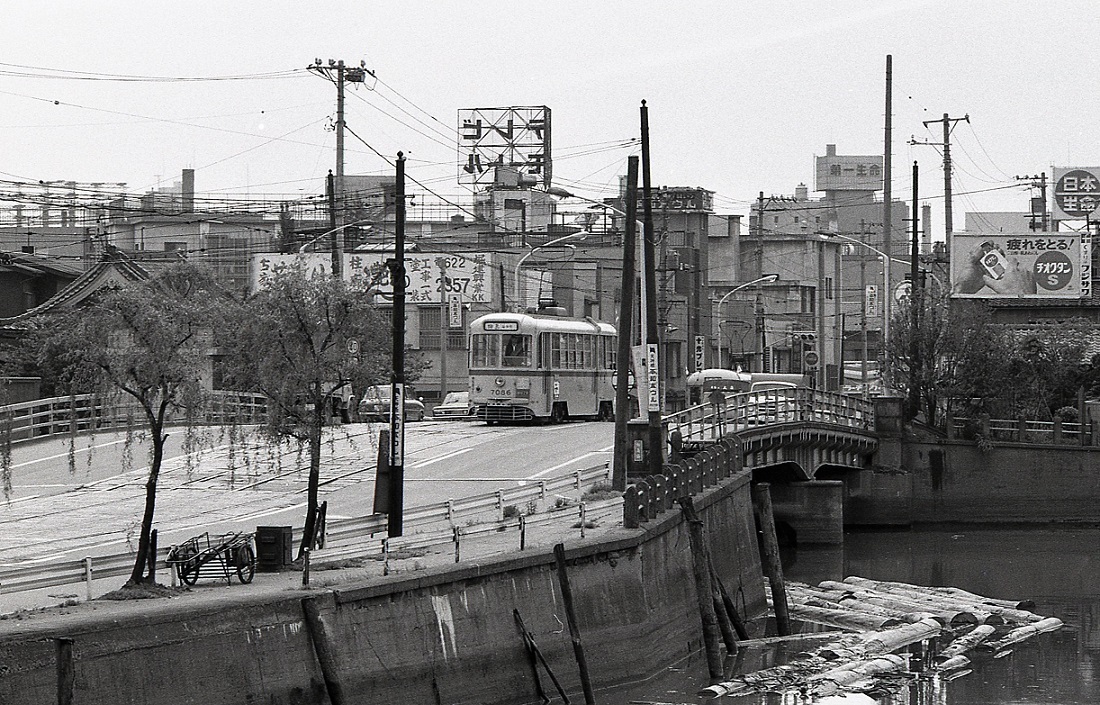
pixel 490 137
pixel 1076 193
pixel 428 277
pixel 837 172
pixel 652 370
pixel 870 298
pixel 397 424
pixel 700 352
pixel 1025 265
pixel 454 311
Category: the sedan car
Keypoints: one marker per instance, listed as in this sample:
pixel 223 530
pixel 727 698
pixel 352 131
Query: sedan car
pixel 456 405
pixel 375 406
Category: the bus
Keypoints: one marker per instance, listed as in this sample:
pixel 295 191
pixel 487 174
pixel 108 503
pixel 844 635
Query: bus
pixel 541 366
pixel 700 384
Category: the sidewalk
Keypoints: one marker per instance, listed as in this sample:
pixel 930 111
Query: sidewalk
pixel 333 567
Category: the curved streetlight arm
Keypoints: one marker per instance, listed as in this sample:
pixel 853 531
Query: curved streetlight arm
pixel 767 278
pixel 302 249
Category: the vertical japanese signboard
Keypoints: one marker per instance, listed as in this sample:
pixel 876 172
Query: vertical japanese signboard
pixel 454 311
pixel 1022 265
pixel 1076 193
pixel 700 352
pixel 652 371
pixel 517 137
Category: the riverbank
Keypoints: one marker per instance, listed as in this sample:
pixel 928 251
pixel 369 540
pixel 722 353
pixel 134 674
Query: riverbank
pixel 429 631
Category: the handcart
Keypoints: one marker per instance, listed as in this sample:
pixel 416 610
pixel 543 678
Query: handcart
pixel 218 556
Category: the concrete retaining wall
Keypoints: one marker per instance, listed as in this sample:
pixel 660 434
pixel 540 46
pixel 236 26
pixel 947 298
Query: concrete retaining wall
pixel 956 481
pixel 443 635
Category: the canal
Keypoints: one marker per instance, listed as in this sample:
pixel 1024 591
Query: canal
pixel 1057 567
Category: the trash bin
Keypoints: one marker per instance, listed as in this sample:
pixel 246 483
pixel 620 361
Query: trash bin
pixel 274 547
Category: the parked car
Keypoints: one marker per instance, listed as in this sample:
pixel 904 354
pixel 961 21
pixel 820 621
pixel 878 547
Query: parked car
pixel 375 405
pixel 456 405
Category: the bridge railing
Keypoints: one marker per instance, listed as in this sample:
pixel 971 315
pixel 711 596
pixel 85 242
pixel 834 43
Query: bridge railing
pixel 1057 432
pixel 736 412
pixel 655 494
pixel 87 412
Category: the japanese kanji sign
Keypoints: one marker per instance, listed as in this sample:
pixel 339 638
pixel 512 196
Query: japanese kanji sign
pixel 1076 193
pixel 1026 265
pixel 517 137
pixel 429 276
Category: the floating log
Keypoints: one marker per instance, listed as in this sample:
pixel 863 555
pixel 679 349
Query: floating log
pixel 953 663
pixel 960 594
pixel 854 672
pixel 950 614
pixel 1006 609
pixel 967 641
pixel 1020 633
pixel 884 641
pixel 841 618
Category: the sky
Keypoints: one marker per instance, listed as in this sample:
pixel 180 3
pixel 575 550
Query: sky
pixel 741 96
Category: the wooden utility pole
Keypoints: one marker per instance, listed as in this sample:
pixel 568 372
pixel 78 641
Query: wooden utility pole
pixel 948 223
pixel 914 302
pixel 887 202
pixel 397 388
pixel 621 459
pixel 656 452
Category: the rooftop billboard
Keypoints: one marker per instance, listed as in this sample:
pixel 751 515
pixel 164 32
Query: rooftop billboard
pixel 1026 265
pixel 837 172
pixel 1076 193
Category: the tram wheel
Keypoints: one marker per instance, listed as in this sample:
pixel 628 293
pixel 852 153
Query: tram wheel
pixel 558 414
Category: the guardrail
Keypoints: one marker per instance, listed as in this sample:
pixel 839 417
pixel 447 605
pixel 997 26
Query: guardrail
pixel 709 422
pixel 345 535
pixel 1057 432
pixel 87 412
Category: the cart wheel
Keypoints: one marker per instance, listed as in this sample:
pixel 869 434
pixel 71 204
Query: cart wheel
pixel 188 572
pixel 246 563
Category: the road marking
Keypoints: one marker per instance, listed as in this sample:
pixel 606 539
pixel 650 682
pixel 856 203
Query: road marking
pixel 447 456
pixel 559 466
pixel 66 453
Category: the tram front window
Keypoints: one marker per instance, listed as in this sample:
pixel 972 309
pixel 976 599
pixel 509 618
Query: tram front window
pixel 517 350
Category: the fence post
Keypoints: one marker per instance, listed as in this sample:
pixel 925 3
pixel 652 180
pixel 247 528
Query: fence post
pixel 1021 429
pixel 582 519
pixel 500 505
pixel 458 543
pixel 630 507
pixel 577 479
pixel 1057 431
pixel 523 530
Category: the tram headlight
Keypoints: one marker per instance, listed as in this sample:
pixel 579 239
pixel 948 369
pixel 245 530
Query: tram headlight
pixel 500 381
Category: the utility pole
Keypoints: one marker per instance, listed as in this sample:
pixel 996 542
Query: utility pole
pixel 863 310
pixel 1040 182
pixel 887 201
pixel 914 301
pixel 948 122
pixel 621 458
pixel 338 74
pixel 656 452
pixel 397 388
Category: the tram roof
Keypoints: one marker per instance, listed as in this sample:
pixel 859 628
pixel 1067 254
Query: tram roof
pixel 544 322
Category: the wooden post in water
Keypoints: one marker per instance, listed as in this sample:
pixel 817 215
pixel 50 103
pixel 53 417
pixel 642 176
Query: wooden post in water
pixel 729 606
pixel 574 629
pixel 773 567
pixel 65 672
pixel 703 589
pixel 322 646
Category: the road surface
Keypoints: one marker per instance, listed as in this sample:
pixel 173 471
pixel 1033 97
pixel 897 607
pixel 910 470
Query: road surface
pixel 88 500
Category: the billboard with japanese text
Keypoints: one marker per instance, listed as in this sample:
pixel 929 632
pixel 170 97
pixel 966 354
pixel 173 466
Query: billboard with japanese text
pixel 430 277
pixel 516 137
pixel 839 172
pixel 1076 193
pixel 1026 264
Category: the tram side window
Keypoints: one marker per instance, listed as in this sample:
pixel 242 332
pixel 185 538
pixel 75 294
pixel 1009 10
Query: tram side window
pixel 517 350
pixel 484 350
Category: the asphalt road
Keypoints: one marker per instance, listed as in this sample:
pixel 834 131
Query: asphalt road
pixel 88 500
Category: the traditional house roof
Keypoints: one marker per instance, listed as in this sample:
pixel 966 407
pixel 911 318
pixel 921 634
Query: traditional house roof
pixel 113 269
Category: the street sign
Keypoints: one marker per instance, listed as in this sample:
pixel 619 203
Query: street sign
pixel 454 310
pixel 353 346
pixel 810 358
pixel 871 298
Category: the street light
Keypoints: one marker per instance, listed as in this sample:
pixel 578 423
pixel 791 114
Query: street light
pixel 330 231
pixel 515 280
pixel 767 278
pixel 886 294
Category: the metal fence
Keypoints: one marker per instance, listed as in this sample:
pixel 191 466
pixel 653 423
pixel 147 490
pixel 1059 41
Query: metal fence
pixel 1056 432
pixel 429 525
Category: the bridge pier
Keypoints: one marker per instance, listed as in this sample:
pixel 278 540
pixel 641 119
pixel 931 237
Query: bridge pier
pixel 811 511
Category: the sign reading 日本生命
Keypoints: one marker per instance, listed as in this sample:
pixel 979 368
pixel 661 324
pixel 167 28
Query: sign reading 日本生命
pixel 1076 193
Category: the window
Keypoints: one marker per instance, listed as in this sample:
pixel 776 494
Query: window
pixel 517 350
pixel 828 287
pixel 484 350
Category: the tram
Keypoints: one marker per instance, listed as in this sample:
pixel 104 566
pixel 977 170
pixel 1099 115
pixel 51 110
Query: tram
pixel 541 366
